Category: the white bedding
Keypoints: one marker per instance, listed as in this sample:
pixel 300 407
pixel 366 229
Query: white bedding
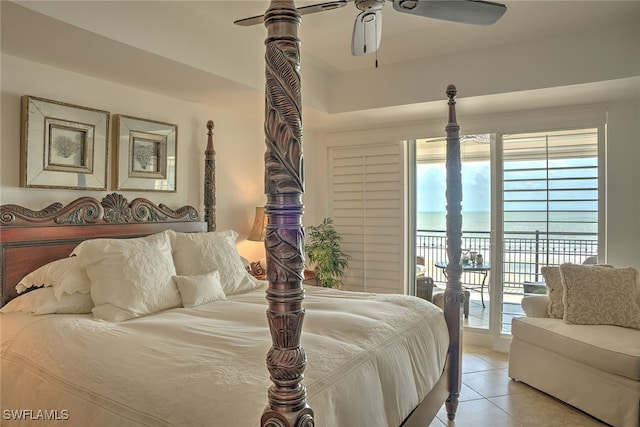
pixel 371 360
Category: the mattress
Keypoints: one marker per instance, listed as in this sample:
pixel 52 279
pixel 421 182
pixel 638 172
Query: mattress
pixel 371 359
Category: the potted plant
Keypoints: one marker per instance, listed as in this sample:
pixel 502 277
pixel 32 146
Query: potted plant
pixel 325 254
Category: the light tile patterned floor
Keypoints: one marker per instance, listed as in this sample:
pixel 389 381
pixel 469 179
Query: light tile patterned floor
pixel 490 398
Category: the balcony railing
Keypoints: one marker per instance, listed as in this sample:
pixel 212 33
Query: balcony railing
pixel 524 253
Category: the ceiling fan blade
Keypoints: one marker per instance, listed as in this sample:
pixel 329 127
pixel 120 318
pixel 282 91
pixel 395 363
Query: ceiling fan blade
pixel 366 33
pixel 321 7
pixel 304 10
pixel 253 20
pixel 476 12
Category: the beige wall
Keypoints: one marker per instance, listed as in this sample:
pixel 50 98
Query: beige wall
pixel 623 186
pixel 239 142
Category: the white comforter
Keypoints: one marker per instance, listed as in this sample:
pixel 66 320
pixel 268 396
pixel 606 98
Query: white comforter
pixel 372 358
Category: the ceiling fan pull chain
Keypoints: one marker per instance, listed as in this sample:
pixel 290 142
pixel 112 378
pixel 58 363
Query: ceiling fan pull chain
pixel 377 29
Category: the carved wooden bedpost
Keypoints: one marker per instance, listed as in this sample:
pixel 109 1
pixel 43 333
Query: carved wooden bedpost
pixel 454 297
pixel 210 180
pixel 284 242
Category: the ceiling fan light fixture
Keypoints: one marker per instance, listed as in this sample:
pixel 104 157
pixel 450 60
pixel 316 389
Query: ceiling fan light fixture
pixel 366 33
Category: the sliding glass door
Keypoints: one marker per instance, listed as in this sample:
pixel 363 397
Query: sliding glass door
pixel 529 200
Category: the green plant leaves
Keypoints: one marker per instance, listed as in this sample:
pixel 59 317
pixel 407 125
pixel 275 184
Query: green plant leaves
pixel 325 254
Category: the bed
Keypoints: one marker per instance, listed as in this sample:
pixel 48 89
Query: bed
pixel 200 365
pixel 333 358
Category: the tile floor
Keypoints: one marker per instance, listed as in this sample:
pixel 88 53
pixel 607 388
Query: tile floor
pixel 490 398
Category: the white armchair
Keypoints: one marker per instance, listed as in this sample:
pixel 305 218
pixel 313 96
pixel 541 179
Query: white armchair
pixel 594 367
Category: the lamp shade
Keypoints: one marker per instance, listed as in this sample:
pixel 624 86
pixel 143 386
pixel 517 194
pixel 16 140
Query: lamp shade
pixel 259 228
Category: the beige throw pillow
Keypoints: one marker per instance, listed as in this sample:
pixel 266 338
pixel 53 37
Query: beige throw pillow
pixel 553 280
pixel 198 290
pixel 600 296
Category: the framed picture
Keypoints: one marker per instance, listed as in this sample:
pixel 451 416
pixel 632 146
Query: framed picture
pixel 63 145
pixel 145 155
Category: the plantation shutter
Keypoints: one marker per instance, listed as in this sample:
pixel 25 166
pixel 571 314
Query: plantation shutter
pixel 367 203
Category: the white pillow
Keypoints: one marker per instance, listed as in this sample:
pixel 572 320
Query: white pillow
pixel 130 277
pixel 43 301
pixel 199 253
pixel 65 275
pixel 198 290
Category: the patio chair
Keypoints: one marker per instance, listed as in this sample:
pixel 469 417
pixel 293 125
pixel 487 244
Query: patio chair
pixel 426 289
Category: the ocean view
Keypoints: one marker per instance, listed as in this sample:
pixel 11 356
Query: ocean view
pixel 562 222
pixel 472 221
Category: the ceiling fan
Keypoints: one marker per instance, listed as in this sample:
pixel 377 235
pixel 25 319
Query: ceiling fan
pixel 368 25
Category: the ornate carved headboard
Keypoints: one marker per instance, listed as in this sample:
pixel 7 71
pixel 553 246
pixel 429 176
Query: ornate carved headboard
pixel 30 239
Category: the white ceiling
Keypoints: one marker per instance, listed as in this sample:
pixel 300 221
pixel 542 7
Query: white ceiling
pixel 327 35
pixel 217 60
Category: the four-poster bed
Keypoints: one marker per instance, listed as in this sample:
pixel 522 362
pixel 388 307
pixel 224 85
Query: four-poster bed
pixel 392 350
pixel 374 357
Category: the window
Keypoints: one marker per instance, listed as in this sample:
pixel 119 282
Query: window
pixel 549 207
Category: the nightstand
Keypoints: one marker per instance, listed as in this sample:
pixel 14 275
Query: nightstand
pixel 310 278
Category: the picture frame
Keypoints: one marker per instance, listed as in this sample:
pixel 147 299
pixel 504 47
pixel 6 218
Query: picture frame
pixel 146 155
pixel 63 145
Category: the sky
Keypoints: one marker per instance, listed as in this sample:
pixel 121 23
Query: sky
pixel 476 187
pixel 568 179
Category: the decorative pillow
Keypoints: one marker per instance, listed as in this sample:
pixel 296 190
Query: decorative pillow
pixel 44 301
pixel 65 275
pixel 199 253
pixel 553 280
pixel 600 296
pixel 198 290
pixel 130 277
